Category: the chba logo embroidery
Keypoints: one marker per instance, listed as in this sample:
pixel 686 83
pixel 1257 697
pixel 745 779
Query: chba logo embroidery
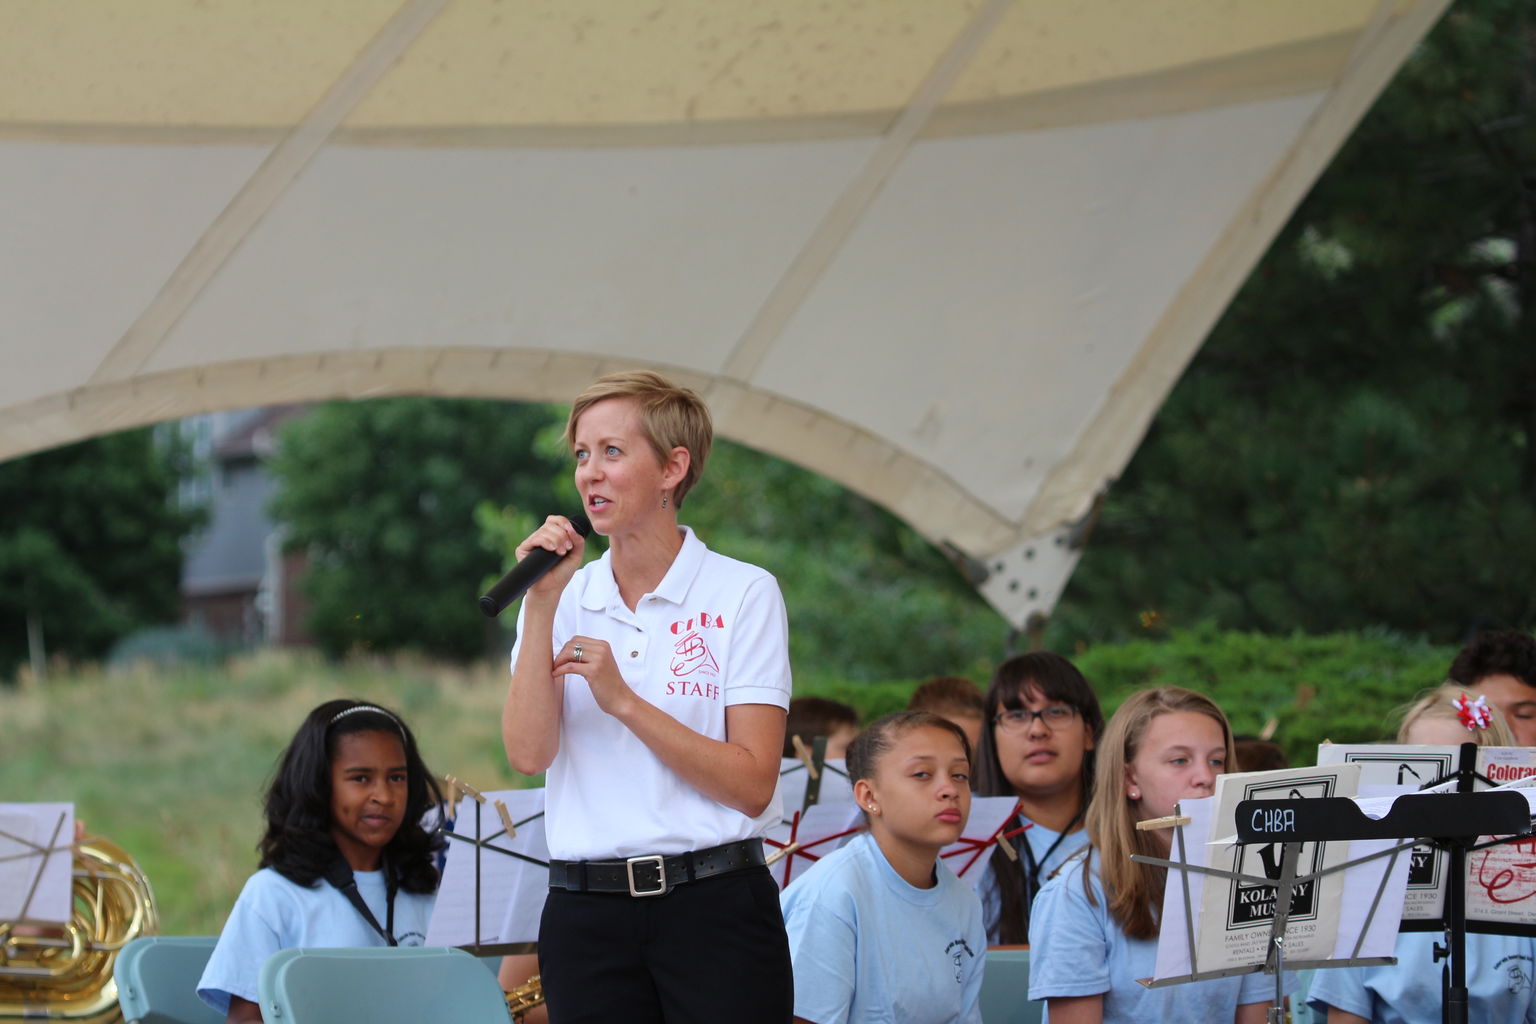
pixel 691 652
pixel 703 620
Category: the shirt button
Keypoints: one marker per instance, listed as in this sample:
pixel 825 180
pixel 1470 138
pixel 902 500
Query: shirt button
pixel 634 654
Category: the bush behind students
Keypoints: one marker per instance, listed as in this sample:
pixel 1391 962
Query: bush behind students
pixel 345 860
pixel 1095 924
pixel 879 929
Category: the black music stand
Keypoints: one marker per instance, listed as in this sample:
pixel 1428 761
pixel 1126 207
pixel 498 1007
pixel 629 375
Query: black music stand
pixel 481 844
pixel 1452 821
pixel 1284 885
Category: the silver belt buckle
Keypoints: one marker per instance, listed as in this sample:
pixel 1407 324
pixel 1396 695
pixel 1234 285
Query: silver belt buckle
pixel 661 874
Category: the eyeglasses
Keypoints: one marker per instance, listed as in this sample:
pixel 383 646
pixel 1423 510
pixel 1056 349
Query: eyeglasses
pixel 1019 719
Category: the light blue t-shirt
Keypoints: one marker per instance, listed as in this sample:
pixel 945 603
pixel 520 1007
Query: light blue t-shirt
pixel 1500 969
pixel 869 948
pixel 1077 949
pixel 1040 840
pixel 273 913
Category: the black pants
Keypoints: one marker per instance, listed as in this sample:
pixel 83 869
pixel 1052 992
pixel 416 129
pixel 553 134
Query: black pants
pixel 705 953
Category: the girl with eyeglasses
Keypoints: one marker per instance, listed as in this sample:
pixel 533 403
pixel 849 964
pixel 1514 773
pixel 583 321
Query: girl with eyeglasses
pixel 1042 724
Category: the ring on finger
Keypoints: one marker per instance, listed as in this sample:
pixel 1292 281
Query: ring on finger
pixel 576 652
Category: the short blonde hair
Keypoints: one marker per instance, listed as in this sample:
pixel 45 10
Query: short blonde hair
pixel 1437 703
pixel 671 416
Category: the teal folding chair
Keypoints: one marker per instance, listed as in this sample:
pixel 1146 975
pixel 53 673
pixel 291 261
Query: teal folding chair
pixel 379 985
pixel 157 979
pixel 1005 989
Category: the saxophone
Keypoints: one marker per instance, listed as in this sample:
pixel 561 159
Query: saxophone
pixel 65 974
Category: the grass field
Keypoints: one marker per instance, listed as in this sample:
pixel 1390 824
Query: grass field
pixel 171 763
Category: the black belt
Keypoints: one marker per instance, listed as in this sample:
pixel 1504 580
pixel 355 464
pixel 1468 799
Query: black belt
pixel 654 874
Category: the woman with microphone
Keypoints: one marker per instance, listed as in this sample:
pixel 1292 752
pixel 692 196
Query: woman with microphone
pixel 651 685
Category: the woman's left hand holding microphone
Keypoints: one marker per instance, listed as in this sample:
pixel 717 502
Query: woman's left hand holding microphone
pixel 593 660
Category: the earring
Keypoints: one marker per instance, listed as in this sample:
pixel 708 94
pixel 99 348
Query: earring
pixel 873 809
pixel 1134 794
pixel 664 501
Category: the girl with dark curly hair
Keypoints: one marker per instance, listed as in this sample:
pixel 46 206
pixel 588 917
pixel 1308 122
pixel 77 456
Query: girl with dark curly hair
pixel 345 860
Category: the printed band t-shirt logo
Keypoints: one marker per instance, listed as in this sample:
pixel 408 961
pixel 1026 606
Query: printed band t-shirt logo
pixel 1517 973
pixel 958 951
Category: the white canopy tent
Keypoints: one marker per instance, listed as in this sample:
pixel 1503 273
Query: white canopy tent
pixel 950 253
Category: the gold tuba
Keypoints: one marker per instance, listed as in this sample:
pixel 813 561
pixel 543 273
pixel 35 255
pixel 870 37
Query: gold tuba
pixel 65 973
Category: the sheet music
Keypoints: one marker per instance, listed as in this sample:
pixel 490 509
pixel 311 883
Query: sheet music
pixel 1501 880
pixel 512 890
pixel 969 855
pixel 1173 959
pixel 823 828
pixel 37 862
pixel 1236 917
pixel 836 788
pixel 1204 842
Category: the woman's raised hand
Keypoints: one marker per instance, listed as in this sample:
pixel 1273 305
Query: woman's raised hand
pixel 593 660
pixel 557 535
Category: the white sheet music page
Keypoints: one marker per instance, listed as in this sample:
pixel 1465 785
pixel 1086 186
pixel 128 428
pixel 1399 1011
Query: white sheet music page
pixel 36 862
pixel 823 828
pixel 1236 917
pixel 1407 768
pixel 1501 880
pixel 512 890
pixel 968 856
pixel 794 777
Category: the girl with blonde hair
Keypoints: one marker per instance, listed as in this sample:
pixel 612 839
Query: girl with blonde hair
pixel 1500 968
pixel 1448 715
pixel 1094 927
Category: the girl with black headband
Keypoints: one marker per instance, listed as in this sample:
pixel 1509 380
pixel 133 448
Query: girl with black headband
pixel 1037 743
pixel 345 860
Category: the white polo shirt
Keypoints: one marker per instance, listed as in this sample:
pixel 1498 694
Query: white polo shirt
pixel 713 633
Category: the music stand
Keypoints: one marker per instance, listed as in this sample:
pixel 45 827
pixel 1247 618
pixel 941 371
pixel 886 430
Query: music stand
pixel 1284 885
pixel 1456 820
pixel 504 871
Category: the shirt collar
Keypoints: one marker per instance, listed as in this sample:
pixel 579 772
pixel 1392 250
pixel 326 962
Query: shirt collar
pixel 602 590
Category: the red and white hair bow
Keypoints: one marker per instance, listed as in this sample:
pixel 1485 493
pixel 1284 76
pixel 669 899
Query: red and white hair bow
pixel 1474 714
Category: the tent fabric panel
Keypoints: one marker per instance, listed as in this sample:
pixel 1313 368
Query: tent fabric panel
pixel 573 63
pixel 92 233
pixel 976 327
pixel 655 256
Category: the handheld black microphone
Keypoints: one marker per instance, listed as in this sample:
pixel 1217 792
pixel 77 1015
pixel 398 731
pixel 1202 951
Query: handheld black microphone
pixel 525 573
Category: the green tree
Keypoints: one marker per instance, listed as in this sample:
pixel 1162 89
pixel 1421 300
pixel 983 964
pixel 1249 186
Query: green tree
pixel 91 548
pixel 1356 442
pixel 382 496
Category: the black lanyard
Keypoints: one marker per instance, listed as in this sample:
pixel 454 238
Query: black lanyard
pixel 1033 867
pixel 340 876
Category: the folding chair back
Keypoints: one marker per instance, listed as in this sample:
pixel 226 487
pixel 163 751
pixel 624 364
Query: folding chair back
pixel 1005 989
pixel 157 978
pixel 379 985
